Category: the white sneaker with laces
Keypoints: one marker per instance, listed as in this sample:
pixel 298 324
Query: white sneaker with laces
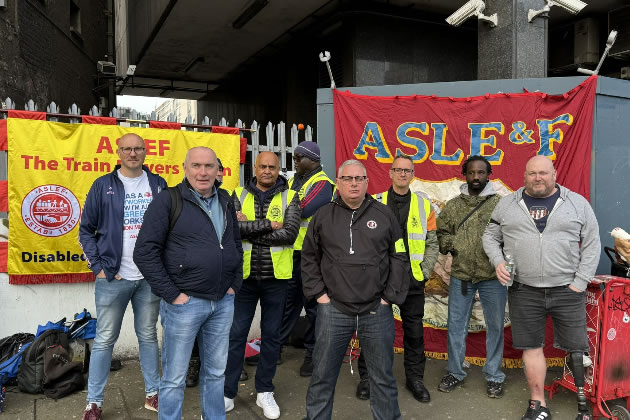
pixel 266 401
pixel 229 404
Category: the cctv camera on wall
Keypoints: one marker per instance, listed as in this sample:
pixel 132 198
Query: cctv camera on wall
pixel 571 6
pixel 470 9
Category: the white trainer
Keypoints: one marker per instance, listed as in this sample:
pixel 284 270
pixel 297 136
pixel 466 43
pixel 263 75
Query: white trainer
pixel 229 404
pixel 266 401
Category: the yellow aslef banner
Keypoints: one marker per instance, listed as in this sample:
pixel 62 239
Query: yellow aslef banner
pixel 51 169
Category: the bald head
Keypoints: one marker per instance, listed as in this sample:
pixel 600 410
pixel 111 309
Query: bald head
pixel 266 170
pixel 540 177
pixel 201 167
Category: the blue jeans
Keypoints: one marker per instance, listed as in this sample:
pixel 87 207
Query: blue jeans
pixel 333 332
pixel 112 298
pixel 272 295
pixel 209 321
pixel 493 297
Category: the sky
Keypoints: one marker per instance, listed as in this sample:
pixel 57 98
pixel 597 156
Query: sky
pixel 143 104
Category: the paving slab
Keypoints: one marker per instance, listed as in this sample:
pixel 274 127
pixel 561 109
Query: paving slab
pixel 124 396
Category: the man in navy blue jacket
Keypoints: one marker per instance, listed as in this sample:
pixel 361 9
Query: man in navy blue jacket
pixel 112 216
pixel 196 268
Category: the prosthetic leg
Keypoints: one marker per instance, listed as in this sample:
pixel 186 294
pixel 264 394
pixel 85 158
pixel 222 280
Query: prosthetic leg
pixel 577 366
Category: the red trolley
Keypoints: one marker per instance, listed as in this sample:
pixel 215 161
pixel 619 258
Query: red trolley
pixel 608 330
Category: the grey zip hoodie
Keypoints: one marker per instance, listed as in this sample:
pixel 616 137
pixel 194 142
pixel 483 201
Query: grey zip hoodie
pixel 567 252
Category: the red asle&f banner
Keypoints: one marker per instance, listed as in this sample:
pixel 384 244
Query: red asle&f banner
pixel 439 133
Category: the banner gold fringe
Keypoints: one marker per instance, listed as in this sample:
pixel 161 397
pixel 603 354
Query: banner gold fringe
pixel 480 361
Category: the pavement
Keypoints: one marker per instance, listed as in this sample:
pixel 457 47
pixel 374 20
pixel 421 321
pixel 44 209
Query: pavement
pixel 124 396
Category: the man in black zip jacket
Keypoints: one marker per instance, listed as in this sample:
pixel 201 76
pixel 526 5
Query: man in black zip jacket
pixel 269 219
pixel 196 268
pixel 355 264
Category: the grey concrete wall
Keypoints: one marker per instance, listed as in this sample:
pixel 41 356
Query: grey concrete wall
pixel 515 48
pixel 610 174
pixel 389 51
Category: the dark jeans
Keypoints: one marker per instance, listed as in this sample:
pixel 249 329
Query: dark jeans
pixel 272 295
pixel 411 313
pixel 333 332
pixel 295 302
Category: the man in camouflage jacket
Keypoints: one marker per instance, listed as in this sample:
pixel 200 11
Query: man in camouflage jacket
pixel 460 227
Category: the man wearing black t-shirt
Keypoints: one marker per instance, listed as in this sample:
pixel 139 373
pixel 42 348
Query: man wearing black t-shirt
pixel 418 224
pixel 553 235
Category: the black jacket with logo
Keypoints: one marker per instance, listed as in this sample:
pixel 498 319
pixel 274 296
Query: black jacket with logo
pixel 351 255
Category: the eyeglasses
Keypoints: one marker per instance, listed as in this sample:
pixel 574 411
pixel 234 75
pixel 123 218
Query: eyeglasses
pixel 349 179
pixel 403 171
pixel 127 150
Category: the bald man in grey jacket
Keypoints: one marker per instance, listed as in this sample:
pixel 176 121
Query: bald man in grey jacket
pixel 553 236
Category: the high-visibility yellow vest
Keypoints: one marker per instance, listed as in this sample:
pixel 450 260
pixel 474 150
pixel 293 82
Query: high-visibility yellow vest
pixel 303 192
pixel 281 256
pixel 416 230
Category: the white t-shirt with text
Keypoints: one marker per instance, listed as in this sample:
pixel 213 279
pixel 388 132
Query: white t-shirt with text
pixel 138 196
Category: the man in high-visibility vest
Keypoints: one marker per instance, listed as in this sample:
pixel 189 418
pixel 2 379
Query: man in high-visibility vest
pixel 269 220
pixel 417 221
pixel 314 189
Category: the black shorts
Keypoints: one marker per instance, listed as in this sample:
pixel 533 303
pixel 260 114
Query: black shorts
pixel 529 307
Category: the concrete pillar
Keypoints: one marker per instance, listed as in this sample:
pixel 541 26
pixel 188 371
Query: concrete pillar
pixel 515 48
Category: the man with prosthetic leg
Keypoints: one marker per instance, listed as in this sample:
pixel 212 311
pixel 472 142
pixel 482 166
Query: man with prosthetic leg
pixel 553 236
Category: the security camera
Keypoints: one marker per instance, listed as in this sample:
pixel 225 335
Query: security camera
pixel 131 70
pixel 472 8
pixel 106 68
pixel 571 6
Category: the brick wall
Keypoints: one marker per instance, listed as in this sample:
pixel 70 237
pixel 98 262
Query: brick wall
pixel 41 59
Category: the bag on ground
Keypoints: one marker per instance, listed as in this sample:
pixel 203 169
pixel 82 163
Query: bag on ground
pixel 31 371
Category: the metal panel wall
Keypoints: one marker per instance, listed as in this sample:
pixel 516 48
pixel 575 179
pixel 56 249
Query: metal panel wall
pixel 610 167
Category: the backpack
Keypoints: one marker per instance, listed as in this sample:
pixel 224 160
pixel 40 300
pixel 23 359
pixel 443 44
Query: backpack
pixel 11 351
pixel 31 371
pixel 61 376
pixel 176 206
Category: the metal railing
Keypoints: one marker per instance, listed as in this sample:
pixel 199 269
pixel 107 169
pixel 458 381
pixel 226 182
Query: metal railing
pixel 275 135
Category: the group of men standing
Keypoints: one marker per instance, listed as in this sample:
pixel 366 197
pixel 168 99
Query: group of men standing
pixel 204 259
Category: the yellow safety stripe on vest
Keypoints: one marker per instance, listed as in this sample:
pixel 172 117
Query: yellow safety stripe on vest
pixel 400 245
pixel 417 236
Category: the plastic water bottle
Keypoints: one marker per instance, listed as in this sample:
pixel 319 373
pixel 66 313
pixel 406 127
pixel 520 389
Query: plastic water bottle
pixel 510 267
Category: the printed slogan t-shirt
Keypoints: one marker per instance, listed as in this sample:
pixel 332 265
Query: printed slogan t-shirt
pixel 137 198
pixel 539 208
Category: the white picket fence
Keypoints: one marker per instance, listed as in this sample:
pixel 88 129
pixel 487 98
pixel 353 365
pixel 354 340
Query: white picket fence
pixel 275 138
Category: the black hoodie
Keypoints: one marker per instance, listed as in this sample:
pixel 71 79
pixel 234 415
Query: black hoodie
pixel 352 256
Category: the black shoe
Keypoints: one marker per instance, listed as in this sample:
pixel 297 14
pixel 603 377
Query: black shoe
pixel 363 389
pixel 495 389
pixel 306 369
pixel 244 376
pixel 192 376
pixel 419 391
pixel 252 360
pixel 449 383
pixel 536 412
pixel 115 365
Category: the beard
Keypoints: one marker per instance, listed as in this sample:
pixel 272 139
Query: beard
pixel 477 186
